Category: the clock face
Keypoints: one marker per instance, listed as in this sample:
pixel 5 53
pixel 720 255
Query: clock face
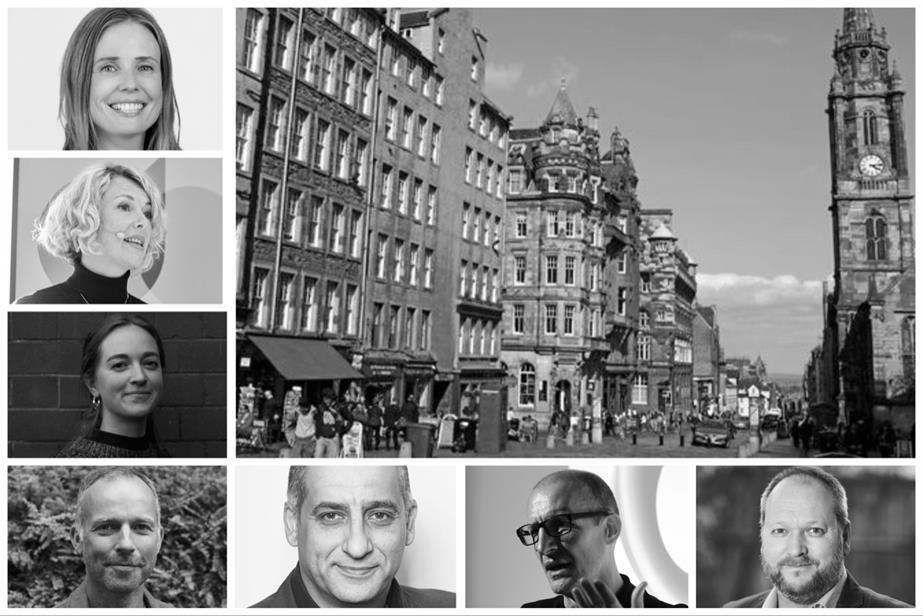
pixel 871 165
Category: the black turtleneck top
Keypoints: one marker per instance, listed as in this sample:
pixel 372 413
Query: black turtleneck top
pixel 84 287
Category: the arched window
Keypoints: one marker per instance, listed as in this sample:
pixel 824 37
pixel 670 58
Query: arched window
pixel 909 347
pixel 527 385
pixel 869 127
pixel 876 238
pixel 644 320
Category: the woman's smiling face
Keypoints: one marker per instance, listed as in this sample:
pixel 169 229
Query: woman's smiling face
pixel 126 88
pixel 124 236
pixel 129 378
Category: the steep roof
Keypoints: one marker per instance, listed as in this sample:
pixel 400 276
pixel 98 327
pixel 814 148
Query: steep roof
pixel 662 233
pixel 562 110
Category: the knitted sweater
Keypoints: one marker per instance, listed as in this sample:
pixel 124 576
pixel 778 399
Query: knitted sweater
pixel 101 444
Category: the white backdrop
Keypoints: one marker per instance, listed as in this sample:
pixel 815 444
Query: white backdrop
pixel 38 37
pixel 656 544
pixel 264 558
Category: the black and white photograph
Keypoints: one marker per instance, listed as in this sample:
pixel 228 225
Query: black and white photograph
pixel 345 536
pixel 117 385
pixel 805 537
pixel 117 537
pixel 114 78
pixel 116 231
pixel 587 536
pixel 634 233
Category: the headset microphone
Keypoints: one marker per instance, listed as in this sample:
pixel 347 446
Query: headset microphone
pixel 120 235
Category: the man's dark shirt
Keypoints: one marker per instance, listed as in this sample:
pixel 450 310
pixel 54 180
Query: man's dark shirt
pixel 292 593
pixel 623 596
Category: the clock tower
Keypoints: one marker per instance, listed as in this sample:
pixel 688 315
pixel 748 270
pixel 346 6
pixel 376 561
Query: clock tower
pixel 872 305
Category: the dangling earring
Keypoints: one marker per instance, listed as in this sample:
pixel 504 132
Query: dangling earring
pixel 96 405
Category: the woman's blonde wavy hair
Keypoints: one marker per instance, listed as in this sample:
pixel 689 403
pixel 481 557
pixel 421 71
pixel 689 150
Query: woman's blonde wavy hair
pixel 71 219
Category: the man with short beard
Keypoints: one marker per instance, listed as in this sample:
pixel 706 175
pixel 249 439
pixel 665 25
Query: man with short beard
pixel 117 533
pixel 804 540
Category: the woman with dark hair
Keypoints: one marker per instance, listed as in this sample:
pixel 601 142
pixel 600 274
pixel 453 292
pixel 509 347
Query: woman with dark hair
pixel 117 84
pixel 122 368
pixel 108 222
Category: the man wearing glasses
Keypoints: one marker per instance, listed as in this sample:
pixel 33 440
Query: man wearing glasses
pixel 574 526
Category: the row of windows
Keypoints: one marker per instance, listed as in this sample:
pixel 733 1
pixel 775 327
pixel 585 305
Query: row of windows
pixel 413 132
pixel 479 282
pixel 331 308
pixel 563 223
pixel 405 67
pixel 484 122
pixel 405 193
pixel 568 321
pixel 476 226
pixel 405 262
pixel 319 63
pixel 478 337
pixel 556 183
pixel 303 218
pixel 401 327
pixel 590 274
pixel 334 150
pixel 483 173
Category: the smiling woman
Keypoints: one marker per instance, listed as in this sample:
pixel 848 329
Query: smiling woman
pixel 122 368
pixel 108 222
pixel 117 84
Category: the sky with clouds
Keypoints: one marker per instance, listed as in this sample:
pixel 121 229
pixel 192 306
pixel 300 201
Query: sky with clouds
pixel 724 109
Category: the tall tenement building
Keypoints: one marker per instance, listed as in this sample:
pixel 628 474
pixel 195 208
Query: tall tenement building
pixel 665 319
pixel 562 234
pixel 370 196
pixel 872 307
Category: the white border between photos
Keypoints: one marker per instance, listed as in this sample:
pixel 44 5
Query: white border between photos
pixel 228 107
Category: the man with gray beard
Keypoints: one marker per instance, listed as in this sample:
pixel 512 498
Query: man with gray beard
pixel 804 540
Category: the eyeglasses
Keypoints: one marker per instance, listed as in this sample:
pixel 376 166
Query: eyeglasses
pixel 555 526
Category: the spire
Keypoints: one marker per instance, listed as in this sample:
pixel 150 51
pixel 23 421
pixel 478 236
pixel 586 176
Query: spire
pixel 562 111
pixel 857 20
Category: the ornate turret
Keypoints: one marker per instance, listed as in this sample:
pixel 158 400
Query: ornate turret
pixel 861 51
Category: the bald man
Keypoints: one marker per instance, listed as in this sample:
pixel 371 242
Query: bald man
pixel 574 524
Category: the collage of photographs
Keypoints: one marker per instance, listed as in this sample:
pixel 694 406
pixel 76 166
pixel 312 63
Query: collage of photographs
pixel 394 310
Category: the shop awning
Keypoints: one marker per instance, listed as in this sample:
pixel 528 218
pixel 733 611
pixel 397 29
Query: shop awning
pixel 300 359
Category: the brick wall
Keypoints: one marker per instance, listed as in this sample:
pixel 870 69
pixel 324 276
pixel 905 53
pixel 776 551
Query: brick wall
pixel 47 397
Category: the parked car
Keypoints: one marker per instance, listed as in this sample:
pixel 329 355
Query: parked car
pixel 712 433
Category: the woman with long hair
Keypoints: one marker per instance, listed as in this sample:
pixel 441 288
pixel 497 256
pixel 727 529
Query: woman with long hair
pixel 122 369
pixel 117 84
pixel 108 222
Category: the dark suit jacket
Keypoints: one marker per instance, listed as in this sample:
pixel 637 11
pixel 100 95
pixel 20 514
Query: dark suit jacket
pixel 292 593
pixel 853 595
pixel 623 596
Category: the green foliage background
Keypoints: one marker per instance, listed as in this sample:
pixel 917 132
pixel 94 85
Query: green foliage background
pixel 191 568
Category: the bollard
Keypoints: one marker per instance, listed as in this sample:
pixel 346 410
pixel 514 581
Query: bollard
pixel 634 438
pixel 549 442
pixel 585 438
pixel 569 440
pixel 661 440
pixel 682 440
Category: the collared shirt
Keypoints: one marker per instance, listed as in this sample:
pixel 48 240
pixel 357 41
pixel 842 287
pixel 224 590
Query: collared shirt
pixel 79 599
pixel 830 599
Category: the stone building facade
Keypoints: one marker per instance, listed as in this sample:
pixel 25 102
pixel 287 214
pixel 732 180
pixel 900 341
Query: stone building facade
pixel 873 302
pixel 433 295
pixel 365 145
pixel 559 244
pixel 305 107
pixel 665 316
pixel 706 359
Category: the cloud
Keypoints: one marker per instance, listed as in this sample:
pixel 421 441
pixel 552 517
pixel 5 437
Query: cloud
pixel 777 318
pixel 559 68
pixel 746 290
pixel 752 36
pixel 503 76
